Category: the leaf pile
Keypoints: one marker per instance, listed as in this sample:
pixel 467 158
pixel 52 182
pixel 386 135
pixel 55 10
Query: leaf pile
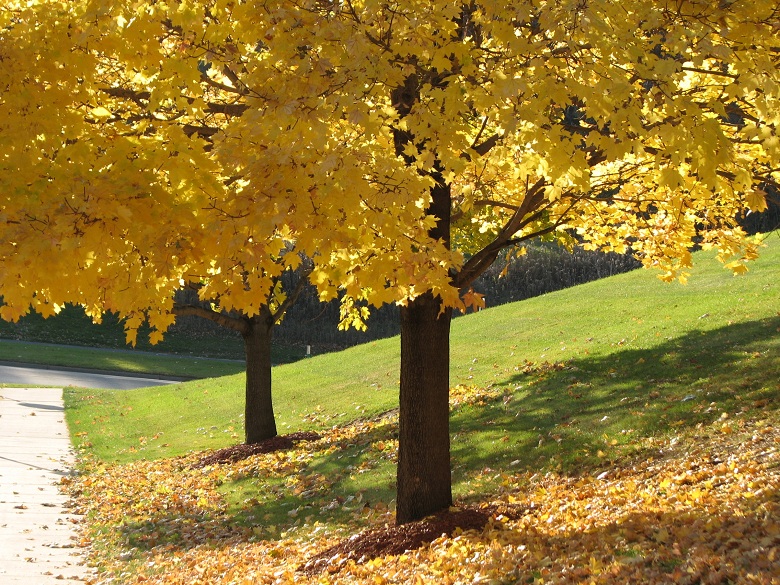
pixel 699 508
pixel 396 540
pixel 239 452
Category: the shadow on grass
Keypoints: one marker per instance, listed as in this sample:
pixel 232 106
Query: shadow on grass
pixel 588 412
pixel 343 486
pixel 683 544
pixel 593 410
pixel 347 479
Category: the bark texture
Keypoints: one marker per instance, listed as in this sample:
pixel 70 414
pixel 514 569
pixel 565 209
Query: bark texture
pixel 259 420
pixel 424 480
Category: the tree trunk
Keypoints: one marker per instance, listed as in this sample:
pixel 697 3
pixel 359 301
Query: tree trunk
pixel 259 420
pixel 424 480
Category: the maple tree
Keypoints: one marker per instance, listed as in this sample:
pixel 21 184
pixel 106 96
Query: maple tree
pixel 401 146
pixel 84 199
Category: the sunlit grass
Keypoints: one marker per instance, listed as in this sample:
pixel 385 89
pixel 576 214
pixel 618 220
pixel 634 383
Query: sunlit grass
pixel 577 379
pixel 133 362
pixel 627 353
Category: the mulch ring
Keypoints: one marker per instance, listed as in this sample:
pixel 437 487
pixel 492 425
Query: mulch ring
pixel 239 452
pixel 395 540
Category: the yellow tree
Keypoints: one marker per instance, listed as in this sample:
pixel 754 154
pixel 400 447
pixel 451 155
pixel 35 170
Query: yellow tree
pixel 101 209
pixel 402 146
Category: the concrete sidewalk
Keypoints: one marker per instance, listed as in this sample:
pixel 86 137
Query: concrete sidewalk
pixel 39 542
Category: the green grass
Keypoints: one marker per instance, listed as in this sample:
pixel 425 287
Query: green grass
pixel 577 379
pixel 202 414
pixel 137 362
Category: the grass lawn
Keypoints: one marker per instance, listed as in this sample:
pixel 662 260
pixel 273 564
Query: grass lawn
pixel 136 362
pixel 627 416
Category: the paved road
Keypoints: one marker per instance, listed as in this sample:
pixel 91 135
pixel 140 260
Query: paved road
pixel 32 376
pixel 40 540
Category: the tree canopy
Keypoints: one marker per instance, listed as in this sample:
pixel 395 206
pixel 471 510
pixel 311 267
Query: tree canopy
pixel 242 124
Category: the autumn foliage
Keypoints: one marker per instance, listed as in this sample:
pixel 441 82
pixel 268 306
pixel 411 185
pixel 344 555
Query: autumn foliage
pixel 400 146
pixel 154 144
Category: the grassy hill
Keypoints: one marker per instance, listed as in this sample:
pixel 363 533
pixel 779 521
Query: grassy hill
pixel 624 378
pixel 622 338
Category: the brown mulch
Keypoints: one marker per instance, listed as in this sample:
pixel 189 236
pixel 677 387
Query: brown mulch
pixel 395 540
pixel 239 452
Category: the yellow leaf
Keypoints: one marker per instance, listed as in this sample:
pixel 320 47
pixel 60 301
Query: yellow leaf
pixel 737 267
pixel 155 337
pixel 100 113
pixel 473 300
pixel 756 199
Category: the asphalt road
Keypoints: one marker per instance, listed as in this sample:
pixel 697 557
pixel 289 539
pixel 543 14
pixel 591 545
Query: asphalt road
pixel 31 376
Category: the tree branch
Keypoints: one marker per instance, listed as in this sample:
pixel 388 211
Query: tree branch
pixel 483 148
pixel 709 72
pixel 480 261
pixel 143 96
pixel 234 323
pixel 293 296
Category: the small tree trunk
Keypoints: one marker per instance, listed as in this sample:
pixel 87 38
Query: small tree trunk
pixel 259 420
pixel 424 479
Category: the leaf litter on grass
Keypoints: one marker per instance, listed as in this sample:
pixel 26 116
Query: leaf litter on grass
pixel 702 506
pixel 242 451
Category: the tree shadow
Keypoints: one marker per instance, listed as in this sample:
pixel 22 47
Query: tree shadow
pixel 567 413
pixel 327 489
pixel 38 406
pixel 682 545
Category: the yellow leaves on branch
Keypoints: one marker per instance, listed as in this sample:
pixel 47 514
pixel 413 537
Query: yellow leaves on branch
pixel 232 124
pixel 756 200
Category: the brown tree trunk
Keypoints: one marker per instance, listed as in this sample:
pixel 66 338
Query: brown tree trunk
pixel 424 481
pixel 259 420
